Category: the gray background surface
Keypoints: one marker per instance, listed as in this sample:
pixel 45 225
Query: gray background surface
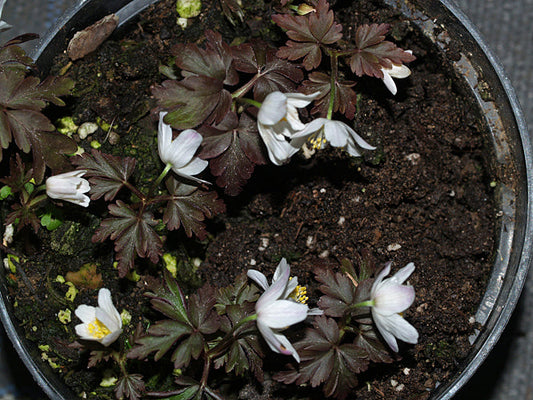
pixel 507 26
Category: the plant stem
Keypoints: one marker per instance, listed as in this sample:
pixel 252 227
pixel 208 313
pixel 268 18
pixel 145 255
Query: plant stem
pixel 167 169
pixel 333 56
pixel 245 88
pixel 250 101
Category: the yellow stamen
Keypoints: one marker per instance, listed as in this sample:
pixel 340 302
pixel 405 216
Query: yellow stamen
pixel 299 294
pixel 97 329
pixel 317 142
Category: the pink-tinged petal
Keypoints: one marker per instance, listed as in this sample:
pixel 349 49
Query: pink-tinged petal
pixel 282 313
pixel 379 279
pixel 85 313
pixel 389 82
pixel 272 339
pixel 287 346
pixel 275 291
pixel 393 299
pixel 183 148
pixel 258 278
pixel 404 273
pixel 273 109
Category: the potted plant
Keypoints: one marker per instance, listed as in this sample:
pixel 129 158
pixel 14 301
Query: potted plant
pixel 426 192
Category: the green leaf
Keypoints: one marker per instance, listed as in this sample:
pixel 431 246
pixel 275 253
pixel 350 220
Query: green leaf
pixel 107 173
pixel 132 232
pixel 49 222
pixel 189 206
pixel 5 192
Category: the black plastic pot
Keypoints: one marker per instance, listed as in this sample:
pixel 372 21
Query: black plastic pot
pixel 481 76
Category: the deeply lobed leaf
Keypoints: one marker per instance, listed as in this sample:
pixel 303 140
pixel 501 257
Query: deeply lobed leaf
pixel 132 232
pixel 234 151
pixel 308 33
pixel 189 206
pixel 373 52
pixel 107 173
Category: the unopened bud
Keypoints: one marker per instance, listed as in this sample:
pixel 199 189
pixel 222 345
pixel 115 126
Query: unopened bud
pixel 305 9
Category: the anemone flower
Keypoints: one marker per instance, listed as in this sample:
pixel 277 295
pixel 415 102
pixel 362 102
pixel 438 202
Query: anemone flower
pixel 278 120
pixel 322 130
pixel 70 187
pixel 101 324
pixel 275 311
pixel 180 152
pixel 398 71
pixel 389 298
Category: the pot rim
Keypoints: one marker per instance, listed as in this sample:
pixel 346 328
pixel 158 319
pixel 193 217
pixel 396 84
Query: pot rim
pixel 504 298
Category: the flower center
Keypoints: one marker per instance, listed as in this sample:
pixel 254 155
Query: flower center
pixel 97 329
pixel 317 141
pixel 299 294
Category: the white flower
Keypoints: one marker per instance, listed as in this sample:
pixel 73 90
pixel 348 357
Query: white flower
pixel 396 71
pixel 278 120
pixel 179 153
pixel 275 312
pixel 103 323
pixel 389 298
pixel 3 25
pixel 69 186
pixel 337 133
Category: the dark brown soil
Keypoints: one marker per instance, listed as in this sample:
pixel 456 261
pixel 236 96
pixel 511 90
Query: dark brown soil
pixel 422 197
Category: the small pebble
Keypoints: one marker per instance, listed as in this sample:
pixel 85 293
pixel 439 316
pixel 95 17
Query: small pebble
pixel 394 247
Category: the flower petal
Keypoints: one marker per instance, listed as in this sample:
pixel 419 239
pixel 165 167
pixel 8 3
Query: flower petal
pixel 282 313
pixel 399 71
pixel 393 299
pixel 110 338
pixel 83 332
pixel 258 277
pixel 195 166
pixel 273 340
pixel 336 133
pixel 300 100
pixel 273 109
pixel 279 150
pixel 183 148
pixel 389 82
pixel 106 304
pixel 277 288
pixel 383 328
pixel 85 313
pixel 404 273
pixel 164 138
